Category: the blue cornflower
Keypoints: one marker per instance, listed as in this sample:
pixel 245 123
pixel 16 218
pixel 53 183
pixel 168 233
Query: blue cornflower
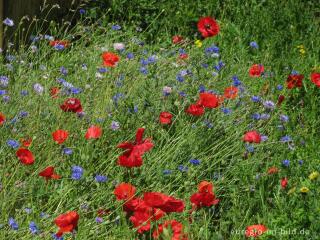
pixel 4 81
pixel 130 56
pixel 3 92
pixel 115 125
pixel 265 116
pixel 101 178
pixel 77 172
pixel 264 138
pixel 226 111
pixel 99 220
pixel 82 11
pixel 207 123
pixel 167 172
pixel 44 215
pixel 236 81
pixel 254 45
pixel 24 93
pixel 182 168
pixel 285 139
pixel 205 65
pixel 28 210
pixel 180 78
pixel 8 22
pixel 13 143
pixel 286 163
pixel 284 118
pixel 67 151
pixel 182 94
pixel 202 88
pixel 300 162
pixel 144 70
pixel 195 162
pixel 280 87
pixel 256 116
pixel 13 224
pixel 38 88
pixel 116 27
pixel 63 71
pixel 55 237
pixel 255 99
pixel 33 228
pixel 152 59
pixel 102 70
pixel 212 51
pixel 269 105
pixel 219 66
pixel 250 148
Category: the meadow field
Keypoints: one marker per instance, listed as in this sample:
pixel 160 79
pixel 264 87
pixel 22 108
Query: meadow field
pixel 179 122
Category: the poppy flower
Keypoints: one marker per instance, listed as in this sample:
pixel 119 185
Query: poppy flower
pixel 25 156
pixel 60 136
pixel 294 81
pixel 165 118
pixel 209 100
pixel 72 105
pixel 56 43
pixel 256 70
pixel 54 92
pixel 132 157
pixel 252 137
pixel 141 221
pixel 2 118
pixel 165 203
pixel 315 78
pixel 183 56
pixel 255 230
pixel 176 228
pixel 231 92
pixel 49 173
pixel 26 142
pixel 281 98
pixel 204 196
pixel 67 222
pixel 93 132
pixel 284 182
pixel 110 59
pixel 195 110
pixel 273 170
pixel 124 191
pixel 208 27
pixel 177 39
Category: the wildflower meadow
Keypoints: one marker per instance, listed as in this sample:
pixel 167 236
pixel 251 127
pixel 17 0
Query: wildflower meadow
pixel 105 135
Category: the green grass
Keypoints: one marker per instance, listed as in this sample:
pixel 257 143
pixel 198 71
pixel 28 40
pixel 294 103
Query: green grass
pixel 248 194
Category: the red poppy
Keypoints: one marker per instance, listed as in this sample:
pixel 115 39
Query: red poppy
pixel 273 170
pixel 204 196
pixel 25 156
pixel 26 142
pixel 256 70
pixel 208 27
pixel 294 80
pixel 209 100
pixel 165 203
pixel 195 110
pixel 54 92
pixel 72 105
pixel 67 222
pixel 124 191
pixel 231 92
pixel 284 182
pixel 177 39
pixel 255 230
pixel 93 132
pixel 59 42
pixel 49 173
pixel 132 157
pixel 176 228
pixel 60 136
pixel 315 78
pixel 281 98
pixel 183 56
pixel 165 118
pixel 252 137
pixel 103 212
pixel 141 221
pixel 2 118
pixel 110 59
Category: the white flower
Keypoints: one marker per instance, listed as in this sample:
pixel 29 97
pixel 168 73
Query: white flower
pixel 118 46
